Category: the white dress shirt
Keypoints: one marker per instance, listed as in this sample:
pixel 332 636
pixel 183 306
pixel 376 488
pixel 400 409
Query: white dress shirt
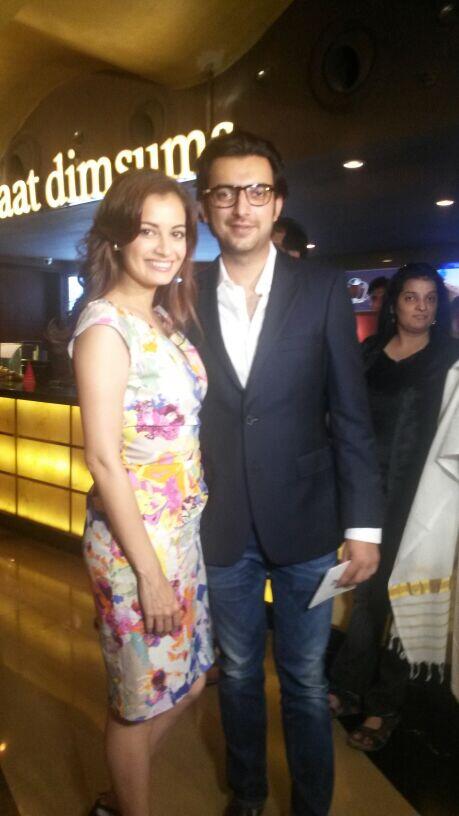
pixel 240 333
pixel 240 336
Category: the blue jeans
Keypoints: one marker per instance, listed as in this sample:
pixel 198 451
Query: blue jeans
pixel 300 640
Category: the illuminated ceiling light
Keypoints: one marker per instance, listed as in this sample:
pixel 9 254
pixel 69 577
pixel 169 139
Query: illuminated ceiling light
pixel 310 246
pixel 353 164
pixel 387 260
pixel 446 10
pixel 445 202
pixel 263 74
pixel 3 747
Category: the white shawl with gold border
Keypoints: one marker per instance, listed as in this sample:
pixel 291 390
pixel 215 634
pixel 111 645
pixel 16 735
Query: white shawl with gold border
pixel 421 587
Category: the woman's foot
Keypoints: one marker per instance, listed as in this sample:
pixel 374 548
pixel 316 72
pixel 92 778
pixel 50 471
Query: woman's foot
pixel 374 733
pixel 343 706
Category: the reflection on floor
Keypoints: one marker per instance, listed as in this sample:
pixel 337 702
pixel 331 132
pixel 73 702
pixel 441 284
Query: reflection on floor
pixel 52 710
pixel 422 757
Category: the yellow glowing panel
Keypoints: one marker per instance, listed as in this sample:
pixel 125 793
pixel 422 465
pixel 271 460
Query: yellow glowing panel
pixel 7 420
pixel 44 420
pixel 7 453
pixel 81 477
pixel 342 608
pixel 268 592
pixel 78 513
pixel 7 493
pixel 45 504
pixel 44 461
pixel 77 430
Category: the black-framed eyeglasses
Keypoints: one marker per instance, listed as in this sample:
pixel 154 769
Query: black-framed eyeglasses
pixel 226 195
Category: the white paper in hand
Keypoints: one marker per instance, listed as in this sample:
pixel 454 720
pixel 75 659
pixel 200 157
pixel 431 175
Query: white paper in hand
pixel 329 586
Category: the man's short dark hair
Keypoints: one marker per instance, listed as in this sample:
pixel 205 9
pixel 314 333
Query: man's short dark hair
pixel 295 238
pixel 240 143
pixel 378 283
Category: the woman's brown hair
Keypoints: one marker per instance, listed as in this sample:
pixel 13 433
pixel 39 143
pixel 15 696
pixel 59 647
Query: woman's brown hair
pixel 117 223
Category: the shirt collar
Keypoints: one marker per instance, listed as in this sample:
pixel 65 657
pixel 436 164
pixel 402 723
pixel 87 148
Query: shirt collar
pixel 265 280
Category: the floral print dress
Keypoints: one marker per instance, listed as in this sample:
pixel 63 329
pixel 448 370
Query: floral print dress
pixel 160 451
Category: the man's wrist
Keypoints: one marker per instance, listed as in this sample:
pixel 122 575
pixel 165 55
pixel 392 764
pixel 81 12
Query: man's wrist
pixel 372 535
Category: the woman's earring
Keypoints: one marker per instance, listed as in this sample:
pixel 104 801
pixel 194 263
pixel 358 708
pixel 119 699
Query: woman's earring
pixel 178 279
pixel 116 247
pixel 434 322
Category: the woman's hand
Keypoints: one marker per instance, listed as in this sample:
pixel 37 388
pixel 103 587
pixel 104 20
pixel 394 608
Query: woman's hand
pixel 161 610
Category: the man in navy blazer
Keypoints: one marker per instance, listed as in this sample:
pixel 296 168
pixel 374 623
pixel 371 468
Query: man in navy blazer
pixel 289 459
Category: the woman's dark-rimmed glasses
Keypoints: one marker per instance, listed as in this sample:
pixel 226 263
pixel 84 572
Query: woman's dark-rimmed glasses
pixel 226 195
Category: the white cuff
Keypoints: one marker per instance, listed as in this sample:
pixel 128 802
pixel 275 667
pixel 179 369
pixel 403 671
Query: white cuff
pixel 370 534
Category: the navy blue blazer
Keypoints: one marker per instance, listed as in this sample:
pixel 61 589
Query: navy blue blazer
pixel 293 453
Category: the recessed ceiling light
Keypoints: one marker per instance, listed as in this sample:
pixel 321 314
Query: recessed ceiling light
pixel 310 246
pixel 387 260
pixel 261 73
pixel 445 202
pixel 353 164
pixel 446 9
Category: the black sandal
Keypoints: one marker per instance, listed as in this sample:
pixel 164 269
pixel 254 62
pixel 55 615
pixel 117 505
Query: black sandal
pixel 373 739
pixel 99 808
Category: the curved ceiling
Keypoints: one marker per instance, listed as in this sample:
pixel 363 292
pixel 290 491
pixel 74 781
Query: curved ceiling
pixel 44 43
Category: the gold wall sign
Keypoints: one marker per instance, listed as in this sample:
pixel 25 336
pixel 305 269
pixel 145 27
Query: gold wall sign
pixel 70 183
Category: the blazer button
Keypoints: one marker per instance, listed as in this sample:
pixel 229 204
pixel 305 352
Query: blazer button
pixel 251 420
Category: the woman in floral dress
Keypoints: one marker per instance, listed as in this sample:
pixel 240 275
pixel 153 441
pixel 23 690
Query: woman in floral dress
pixel 140 387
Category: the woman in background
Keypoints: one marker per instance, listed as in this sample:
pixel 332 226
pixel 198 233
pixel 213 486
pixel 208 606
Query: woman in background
pixel 406 364
pixel 140 386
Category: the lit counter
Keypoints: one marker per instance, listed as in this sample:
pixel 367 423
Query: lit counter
pixel 43 476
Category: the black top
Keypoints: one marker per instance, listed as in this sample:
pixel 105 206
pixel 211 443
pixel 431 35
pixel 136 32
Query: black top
pixel 405 400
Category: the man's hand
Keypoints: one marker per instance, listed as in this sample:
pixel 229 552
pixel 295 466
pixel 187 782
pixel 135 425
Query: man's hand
pixel 364 558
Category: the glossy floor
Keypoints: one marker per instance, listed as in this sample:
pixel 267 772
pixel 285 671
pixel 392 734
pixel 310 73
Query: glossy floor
pixel 52 710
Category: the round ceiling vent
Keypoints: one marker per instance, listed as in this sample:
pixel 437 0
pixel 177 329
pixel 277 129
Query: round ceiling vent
pixel 146 124
pixel 342 63
pixel 22 156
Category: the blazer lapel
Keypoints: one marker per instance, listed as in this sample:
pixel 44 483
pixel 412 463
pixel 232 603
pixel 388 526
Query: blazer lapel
pixel 281 298
pixel 208 313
